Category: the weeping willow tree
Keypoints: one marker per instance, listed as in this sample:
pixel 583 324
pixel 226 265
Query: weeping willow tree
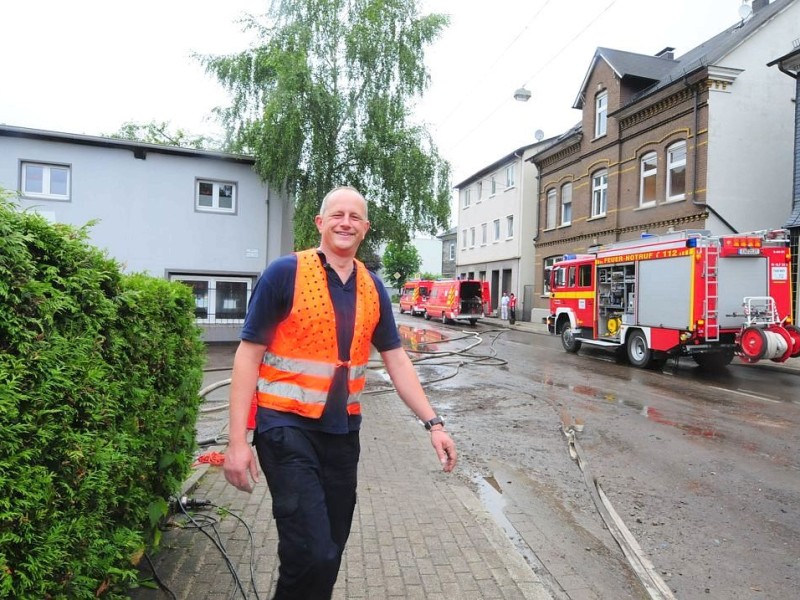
pixel 324 98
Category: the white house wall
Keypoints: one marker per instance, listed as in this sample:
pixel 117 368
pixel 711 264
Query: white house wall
pixel 751 139
pixel 145 209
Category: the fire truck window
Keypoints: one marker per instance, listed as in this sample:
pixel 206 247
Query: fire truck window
pixel 585 275
pixel 572 277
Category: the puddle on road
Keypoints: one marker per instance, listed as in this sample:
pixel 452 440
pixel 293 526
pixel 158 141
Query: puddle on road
pixel 419 339
pixel 653 414
pixel 491 496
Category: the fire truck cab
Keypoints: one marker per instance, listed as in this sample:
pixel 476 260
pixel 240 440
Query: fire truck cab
pixel 413 296
pixel 686 293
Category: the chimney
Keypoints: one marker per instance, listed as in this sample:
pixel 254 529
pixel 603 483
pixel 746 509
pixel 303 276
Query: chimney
pixel 759 4
pixel 668 53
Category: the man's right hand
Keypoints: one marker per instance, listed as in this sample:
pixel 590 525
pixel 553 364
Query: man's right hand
pixel 239 462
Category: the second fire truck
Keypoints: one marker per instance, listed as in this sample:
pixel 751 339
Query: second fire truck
pixel 687 293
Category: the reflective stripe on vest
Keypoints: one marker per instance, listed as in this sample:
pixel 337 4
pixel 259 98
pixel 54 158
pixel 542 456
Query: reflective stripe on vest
pixel 298 368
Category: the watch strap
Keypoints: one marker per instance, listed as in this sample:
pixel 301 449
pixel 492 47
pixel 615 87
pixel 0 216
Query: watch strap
pixel 437 420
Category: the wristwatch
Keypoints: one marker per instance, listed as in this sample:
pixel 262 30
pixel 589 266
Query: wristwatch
pixel 434 421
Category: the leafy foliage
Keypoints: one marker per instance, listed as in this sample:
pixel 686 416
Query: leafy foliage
pixel 161 133
pixel 324 100
pixel 430 276
pixel 402 260
pixel 99 375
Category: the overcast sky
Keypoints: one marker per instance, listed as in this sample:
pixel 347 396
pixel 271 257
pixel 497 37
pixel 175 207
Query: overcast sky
pixel 88 66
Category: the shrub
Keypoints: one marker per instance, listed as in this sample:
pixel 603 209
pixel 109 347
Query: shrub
pixel 99 374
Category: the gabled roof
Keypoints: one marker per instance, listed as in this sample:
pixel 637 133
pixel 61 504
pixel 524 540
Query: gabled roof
pixel 516 153
pixel 794 218
pixel 627 64
pixel 664 71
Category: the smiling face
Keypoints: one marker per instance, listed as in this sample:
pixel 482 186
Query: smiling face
pixel 342 223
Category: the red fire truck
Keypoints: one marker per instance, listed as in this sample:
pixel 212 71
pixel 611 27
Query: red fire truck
pixel 687 293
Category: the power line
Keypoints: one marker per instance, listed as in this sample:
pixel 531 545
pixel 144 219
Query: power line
pixel 497 60
pixel 547 63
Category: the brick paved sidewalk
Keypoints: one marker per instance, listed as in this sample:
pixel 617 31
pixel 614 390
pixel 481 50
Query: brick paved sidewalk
pixel 417 532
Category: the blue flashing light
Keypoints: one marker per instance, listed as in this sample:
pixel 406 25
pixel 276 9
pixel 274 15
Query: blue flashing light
pixel 570 256
pixel 645 235
pixel 691 242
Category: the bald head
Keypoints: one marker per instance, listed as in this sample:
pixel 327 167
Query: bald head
pixel 348 189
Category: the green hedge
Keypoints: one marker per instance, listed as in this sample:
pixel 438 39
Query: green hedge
pixel 99 374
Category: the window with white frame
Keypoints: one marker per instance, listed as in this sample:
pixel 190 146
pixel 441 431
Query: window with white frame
pixel 463 238
pixel 452 251
pixel 480 190
pixel 599 193
pixel 676 171
pixel 494 185
pixel 484 233
pixel 550 216
pixel 215 196
pixel 471 237
pixel 218 299
pixel 647 181
pixel 43 180
pixel 466 198
pixel 510 226
pixel 600 114
pixel 566 204
pixel 510 176
pixel 496 229
pixel 548 267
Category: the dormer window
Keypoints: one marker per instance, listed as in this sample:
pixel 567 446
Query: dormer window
pixel 600 114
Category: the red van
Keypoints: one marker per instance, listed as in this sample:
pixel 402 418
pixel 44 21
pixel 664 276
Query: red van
pixel 413 296
pixel 458 300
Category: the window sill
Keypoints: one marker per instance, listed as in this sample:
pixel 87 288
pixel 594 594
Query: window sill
pixel 546 229
pixel 645 206
pixel 600 137
pixel 30 196
pixel 563 225
pixel 675 199
pixel 596 217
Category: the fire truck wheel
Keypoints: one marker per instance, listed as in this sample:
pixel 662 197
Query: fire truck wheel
pixel 639 354
pixel 402 311
pixel 473 321
pixel 794 332
pixel 713 361
pixel 568 339
pixel 444 318
pixel 427 316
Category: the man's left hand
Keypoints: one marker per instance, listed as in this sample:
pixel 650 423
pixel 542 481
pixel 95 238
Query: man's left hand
pixel 445 449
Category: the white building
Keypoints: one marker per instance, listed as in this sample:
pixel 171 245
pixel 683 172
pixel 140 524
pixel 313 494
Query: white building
pixel 191 215
pixel 497 221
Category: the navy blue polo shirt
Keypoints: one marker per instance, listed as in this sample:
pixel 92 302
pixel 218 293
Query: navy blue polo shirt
pixel 271 303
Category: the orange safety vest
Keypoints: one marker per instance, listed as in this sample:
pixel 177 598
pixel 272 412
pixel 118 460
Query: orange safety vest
pixel 298 367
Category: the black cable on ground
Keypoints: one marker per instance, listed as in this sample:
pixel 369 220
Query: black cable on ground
pixel 218 544
pixel 161 585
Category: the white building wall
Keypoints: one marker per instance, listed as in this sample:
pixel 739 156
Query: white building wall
pixel 751 141
pixel 515 253
pixel 430 254
pixel 145 210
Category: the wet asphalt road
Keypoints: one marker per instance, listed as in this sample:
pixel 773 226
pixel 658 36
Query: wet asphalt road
pixel 703 469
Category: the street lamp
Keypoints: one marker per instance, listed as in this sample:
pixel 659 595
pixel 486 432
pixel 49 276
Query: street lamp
pixel 522 94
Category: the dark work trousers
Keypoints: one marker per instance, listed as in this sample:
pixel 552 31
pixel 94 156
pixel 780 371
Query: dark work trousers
pixel 312 478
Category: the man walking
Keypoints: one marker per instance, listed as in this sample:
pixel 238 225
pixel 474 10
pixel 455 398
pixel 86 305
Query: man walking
pixel 305 346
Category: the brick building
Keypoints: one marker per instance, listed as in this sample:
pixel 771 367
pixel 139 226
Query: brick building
pixel 703 141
